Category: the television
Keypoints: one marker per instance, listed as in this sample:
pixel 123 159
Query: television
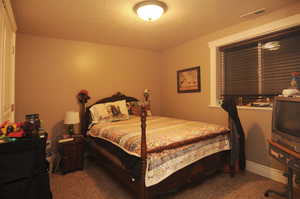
pixel 286 122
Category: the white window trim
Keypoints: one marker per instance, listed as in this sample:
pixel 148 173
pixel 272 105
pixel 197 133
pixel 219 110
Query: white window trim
pixel 278 25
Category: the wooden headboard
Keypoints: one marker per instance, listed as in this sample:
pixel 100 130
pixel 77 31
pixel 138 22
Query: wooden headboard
pixel 116 97
pixel 85 115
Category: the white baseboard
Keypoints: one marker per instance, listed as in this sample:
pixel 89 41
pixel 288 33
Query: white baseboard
pixel 268 172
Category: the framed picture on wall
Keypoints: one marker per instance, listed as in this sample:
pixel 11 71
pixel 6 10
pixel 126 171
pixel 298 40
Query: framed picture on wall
pixel 188 80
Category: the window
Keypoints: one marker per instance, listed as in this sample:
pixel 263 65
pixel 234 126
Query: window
pixel 260 68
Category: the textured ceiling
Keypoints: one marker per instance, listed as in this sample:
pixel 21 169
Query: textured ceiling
pixel 114 22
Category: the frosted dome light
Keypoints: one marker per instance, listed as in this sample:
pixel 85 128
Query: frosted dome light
pixel 150 10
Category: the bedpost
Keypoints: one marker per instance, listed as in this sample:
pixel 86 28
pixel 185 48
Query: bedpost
pixel 143 192
pixel 82 118
pixel 83 98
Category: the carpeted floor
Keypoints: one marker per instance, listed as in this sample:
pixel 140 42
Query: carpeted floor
pixel 95 183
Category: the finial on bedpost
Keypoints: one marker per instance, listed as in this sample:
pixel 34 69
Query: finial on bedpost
pixel 147 101
pixel 83 97
pixel 146 95
pixel 143 193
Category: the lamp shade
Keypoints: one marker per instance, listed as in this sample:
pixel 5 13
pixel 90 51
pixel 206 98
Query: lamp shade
pixel 71 117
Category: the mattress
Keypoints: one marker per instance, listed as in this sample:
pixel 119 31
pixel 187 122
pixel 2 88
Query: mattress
pixel 172 144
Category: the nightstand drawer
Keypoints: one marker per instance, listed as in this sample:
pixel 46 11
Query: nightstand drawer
pixel 68 149
pixel 71 164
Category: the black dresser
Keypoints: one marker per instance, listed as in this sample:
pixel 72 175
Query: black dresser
pixel 24 169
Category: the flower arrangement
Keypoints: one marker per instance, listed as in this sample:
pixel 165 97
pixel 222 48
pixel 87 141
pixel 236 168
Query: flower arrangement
pixel 295 83
pixel 83 96
pixel 295 74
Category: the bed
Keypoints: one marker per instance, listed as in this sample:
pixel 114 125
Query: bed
pixel 152 154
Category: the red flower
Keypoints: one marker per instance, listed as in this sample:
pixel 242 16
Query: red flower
pixel 295 74
pixel 83 92
pixel 83 96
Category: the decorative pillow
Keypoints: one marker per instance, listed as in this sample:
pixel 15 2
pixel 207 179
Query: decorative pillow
pixel 134 108
pixel 117 110
pixel 97 111
pixel 111 111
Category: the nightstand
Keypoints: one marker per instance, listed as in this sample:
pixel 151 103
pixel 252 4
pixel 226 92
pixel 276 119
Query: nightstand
pixel 71 152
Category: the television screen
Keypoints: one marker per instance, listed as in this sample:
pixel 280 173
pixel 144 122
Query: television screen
pixel 288 117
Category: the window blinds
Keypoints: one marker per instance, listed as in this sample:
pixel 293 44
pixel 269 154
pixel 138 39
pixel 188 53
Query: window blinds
pixel 259 67
pixel 277 65
pixel 240 71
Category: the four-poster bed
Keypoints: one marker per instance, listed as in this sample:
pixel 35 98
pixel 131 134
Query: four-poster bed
pixel 133 169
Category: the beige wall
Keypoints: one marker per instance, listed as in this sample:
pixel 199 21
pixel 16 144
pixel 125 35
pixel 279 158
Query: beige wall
pixel 50 72
pixel 194 106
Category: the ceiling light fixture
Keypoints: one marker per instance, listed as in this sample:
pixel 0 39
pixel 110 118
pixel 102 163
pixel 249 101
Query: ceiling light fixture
pixel 272 45
pixel 150 10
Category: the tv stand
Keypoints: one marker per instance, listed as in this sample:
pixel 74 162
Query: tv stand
pixel 291 159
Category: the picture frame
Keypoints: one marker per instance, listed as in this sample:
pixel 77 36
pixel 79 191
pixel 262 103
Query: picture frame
pixel 188 80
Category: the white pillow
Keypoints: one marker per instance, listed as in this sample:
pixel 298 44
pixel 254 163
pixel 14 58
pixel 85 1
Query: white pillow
pixel 97 111
pixel 111 111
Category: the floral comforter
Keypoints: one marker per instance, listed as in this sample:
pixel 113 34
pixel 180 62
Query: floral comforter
pixel 172 143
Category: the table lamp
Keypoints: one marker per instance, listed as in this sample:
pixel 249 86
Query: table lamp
pixel 71 118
